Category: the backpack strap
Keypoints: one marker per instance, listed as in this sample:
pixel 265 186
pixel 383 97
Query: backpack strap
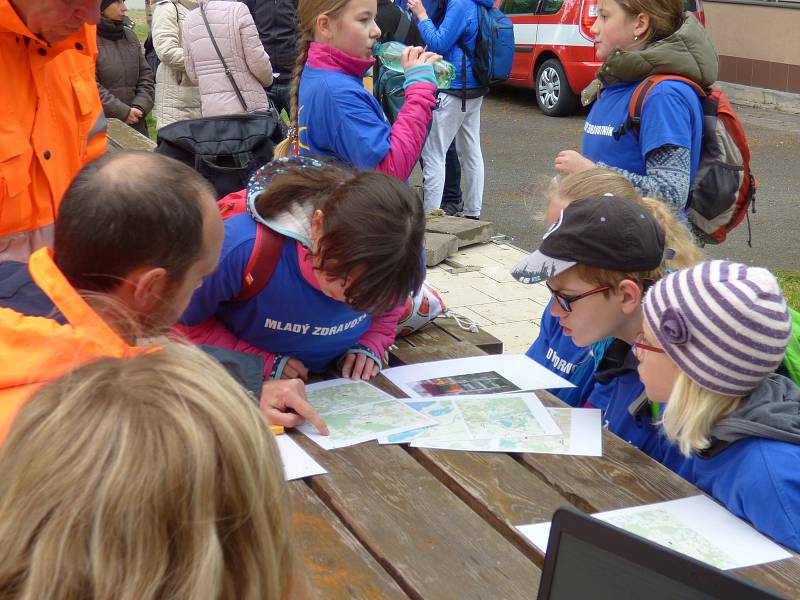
pixel 403 27
pixel 228 73
pixel 261 265
pixel 640 94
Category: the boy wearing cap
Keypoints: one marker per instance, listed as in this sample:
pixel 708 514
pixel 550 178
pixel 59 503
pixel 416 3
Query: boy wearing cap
pixel 597 260
pixel 712 335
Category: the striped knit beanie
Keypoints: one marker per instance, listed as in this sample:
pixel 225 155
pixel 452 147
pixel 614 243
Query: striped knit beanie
pixel 724 324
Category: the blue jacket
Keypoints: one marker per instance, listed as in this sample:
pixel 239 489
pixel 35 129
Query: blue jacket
pixel 441 35
pixel 289 316
pixel 557 352
pixel 619 393
pixel 752 465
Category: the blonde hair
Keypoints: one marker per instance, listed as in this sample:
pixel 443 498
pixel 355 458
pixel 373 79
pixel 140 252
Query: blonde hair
pixel 308 11
pixel 152 477
pixel 591 183
pixel 692 411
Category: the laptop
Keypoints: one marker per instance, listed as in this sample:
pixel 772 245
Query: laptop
pixel 587 558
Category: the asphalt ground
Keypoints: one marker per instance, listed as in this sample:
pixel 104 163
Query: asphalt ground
pixel 520 143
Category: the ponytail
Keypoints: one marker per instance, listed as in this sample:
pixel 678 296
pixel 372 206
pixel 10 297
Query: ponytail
pixel 308 11
pixel 285 147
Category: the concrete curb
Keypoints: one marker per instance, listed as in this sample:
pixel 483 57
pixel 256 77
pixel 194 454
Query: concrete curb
pixel 745 95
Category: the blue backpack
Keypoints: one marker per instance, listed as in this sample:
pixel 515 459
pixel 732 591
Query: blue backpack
pixel 494 46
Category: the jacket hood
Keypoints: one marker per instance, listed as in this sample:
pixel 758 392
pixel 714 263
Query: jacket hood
pixel 294 222
pixel 687 52
pixel 772 411
pixel 486 3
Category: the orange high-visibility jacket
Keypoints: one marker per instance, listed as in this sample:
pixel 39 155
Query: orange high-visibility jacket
pixel 51 120
pixel 35 350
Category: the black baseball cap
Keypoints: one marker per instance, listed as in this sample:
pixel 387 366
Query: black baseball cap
pixel 606 231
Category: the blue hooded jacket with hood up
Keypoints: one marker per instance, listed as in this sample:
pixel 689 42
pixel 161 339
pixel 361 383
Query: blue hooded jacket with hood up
pixel 441 35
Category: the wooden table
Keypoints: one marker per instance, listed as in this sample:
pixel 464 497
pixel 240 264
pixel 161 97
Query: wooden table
pixel 399 522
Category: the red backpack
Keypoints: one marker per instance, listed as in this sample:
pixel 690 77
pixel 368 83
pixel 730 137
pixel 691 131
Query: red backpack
pixel 266 250
pixel 724 187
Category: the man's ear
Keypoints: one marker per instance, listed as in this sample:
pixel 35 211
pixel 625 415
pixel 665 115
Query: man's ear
pixel 631 294
pixel 148 288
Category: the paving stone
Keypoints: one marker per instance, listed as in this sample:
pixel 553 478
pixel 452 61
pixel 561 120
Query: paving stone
pixel 468 231
pixel 438 246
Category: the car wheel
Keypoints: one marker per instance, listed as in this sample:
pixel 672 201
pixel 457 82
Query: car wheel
pixel 553 94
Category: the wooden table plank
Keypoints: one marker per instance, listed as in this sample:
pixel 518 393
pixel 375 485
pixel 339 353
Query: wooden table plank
pixel 498 488
pixel 330 556
pixel 420 532
pixel 407 354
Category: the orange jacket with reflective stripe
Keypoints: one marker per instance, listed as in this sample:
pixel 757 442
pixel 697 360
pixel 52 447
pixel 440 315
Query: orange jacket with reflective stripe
pixel 51 119
pixel 35 350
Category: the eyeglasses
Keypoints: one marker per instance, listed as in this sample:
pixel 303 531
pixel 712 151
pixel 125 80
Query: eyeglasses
pixel 640 343
pixel 565 301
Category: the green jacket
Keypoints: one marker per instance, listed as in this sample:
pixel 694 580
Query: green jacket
pixel 791 362
pixel 687 52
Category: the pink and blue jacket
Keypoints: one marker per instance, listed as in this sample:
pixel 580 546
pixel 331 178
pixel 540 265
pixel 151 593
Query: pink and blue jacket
pixel 339 118
pixel 290 317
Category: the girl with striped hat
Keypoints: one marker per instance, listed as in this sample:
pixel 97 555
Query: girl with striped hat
pixel 712 337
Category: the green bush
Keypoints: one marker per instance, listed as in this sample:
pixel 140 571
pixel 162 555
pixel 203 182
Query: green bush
pixel 790 284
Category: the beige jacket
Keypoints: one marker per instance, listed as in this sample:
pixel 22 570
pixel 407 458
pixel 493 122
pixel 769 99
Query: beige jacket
pixel 177 97
pixel 237 38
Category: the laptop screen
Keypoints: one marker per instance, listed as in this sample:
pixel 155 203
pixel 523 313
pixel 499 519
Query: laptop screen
pixel 587 558
pixel 584 570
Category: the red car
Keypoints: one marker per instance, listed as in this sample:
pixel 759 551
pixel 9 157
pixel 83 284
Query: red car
pixel 554 49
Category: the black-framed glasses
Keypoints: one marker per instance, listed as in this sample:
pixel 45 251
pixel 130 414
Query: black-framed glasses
pixel 565 301
pixel 640 343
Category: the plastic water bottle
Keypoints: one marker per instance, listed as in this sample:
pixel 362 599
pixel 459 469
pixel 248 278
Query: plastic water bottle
pixel 389 54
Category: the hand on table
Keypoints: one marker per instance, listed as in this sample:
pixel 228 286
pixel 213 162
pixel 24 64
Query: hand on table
pixel 294 369
pixel 357 365
pixel 284 402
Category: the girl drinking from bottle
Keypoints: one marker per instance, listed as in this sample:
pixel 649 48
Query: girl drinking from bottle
pixel 331 112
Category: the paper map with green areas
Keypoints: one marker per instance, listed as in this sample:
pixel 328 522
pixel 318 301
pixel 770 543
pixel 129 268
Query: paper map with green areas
pixel 662 527
pixel 503 418
pixel 449 423
pixel 485 421
pixel 343 397
pixel 356 412
pixel 543 444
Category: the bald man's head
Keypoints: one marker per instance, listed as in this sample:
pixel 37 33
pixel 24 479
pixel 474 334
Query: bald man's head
pixel 128 210
pixel 56 20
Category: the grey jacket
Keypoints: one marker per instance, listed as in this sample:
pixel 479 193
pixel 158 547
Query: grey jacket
pixel 124 78
pixel 771 411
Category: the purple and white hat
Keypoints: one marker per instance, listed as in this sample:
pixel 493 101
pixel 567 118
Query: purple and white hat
pixel 724 324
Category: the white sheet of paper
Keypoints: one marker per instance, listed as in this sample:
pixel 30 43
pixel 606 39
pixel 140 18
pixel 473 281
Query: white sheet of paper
pixel 490 374
pixel 581 435
pixel 696 526
pixel 483 417
pixel 297 463
pixel 357 412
